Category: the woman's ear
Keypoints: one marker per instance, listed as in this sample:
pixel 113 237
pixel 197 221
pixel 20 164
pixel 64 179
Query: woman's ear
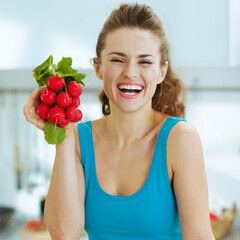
pixel 97 68
pixel 163 72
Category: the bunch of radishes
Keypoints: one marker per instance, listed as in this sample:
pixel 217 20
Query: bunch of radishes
pixel 59 102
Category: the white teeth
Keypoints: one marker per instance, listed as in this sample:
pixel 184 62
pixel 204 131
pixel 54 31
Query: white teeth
pixel 129 93
pixel 130 87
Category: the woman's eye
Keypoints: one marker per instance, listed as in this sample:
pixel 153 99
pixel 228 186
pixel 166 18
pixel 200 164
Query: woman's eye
pixel 117 60
pixel 122 61
pixel 145 62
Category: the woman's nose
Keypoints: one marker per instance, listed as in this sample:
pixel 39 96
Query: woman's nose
pixel 131 70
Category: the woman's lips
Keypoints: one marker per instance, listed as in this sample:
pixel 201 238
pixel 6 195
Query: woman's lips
pixel 129 90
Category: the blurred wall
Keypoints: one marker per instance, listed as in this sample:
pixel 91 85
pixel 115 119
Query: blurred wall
pixel 198 31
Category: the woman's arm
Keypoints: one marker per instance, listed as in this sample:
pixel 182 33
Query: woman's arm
pixel 185 155
pixel 64 209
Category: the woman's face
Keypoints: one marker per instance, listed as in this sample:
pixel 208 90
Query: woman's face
pixel 130 68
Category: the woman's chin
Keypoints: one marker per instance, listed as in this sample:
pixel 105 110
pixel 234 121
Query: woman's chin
pixel 128 108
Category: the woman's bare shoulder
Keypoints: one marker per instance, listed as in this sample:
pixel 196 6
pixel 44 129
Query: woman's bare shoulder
pixel 182 130
pixel 183 140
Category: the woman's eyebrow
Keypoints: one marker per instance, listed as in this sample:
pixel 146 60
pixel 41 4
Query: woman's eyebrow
pixel 124 55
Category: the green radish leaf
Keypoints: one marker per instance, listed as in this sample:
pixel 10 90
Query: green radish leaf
pixel 53 133
pixel 43 78
pixel 62 74
pixel 79 77
pixel 65 69
pixel 65 62
pixel 44 66
pixel 55 67
pixel 75 78
pixel 69 79
pixel 81 83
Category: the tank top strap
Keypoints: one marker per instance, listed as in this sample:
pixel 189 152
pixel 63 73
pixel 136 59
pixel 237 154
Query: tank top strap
pixel 85 134
pixel 162 143
pixel 166 128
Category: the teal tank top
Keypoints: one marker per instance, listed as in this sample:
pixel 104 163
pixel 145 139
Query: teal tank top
pixel 150 213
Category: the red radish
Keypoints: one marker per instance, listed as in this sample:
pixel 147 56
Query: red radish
pixel 55 83
pixel 48 96
pixel 74 89
pixel 75 101
pixel 56 114
pixel 63 123
pixel 78 116
pixel 71 113
pixel 64 100
pixel 42 111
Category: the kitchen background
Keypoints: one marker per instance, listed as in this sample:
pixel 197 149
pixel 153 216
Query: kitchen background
pixel 204 38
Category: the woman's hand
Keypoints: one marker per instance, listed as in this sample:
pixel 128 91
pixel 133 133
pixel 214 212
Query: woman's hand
pixel 30 109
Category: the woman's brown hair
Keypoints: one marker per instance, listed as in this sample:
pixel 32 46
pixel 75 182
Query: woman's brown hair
pixel 169 96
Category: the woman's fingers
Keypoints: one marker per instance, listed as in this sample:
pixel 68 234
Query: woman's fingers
pixel 32 117
pixel 34 97
pixel 30 109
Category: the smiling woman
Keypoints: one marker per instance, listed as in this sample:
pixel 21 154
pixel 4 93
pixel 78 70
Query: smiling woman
pixel 137 172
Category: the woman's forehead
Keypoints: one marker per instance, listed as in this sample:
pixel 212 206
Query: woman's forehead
pixel 132 40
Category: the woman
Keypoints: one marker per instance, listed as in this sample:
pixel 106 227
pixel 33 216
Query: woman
pixel 138 172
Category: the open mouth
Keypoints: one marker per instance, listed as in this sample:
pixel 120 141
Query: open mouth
pixel 130 90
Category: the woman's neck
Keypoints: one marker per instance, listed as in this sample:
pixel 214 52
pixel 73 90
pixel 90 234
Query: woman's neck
pixel 125 128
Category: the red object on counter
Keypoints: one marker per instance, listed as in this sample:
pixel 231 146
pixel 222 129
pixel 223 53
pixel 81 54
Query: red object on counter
pixel 35 224
pixel 213 217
